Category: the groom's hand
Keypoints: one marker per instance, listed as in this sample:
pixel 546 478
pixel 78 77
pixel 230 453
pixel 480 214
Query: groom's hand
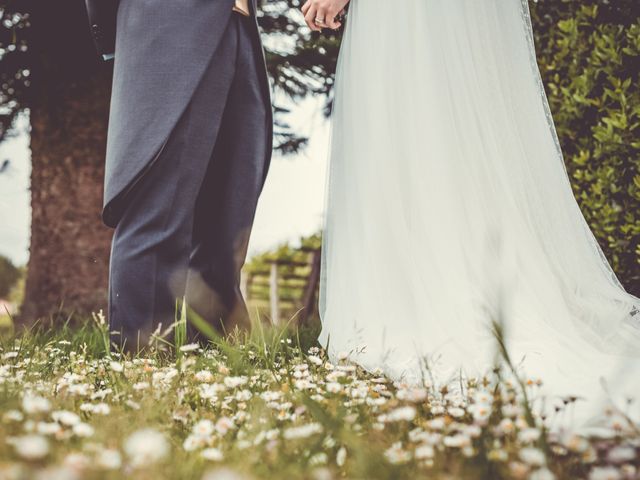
pixel 321 14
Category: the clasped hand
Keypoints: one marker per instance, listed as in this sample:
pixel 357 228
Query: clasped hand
pixel 321 14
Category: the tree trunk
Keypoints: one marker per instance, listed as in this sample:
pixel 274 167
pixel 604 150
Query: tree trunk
pixel 69 251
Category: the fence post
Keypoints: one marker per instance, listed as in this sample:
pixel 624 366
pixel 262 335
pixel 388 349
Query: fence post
pixel 273 294
pixel 309 299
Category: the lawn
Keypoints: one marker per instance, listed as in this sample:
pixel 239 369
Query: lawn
pixel 270 405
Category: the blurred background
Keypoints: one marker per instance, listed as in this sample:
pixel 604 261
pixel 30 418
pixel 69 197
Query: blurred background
pixel 54 101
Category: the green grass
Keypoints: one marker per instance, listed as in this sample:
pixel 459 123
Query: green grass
pixel 267 405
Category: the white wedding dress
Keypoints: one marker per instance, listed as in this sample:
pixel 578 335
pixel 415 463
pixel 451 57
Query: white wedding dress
pixel 449 207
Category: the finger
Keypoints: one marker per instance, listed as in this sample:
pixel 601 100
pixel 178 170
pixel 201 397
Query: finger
pixel 322 15
pixel 331 20
pixel 310 18
pixel 306 7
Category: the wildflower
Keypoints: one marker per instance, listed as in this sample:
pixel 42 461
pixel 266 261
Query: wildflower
pixel 243 395
pixel 101 394
pixel 243 444
pixel 532 456
pixel 194 442
pixel 511 411
pixel 480 412
pixel 346 368
pixel 48 428
pixel 223 425
pixel 12 416
pixel 333 387
pixel 204 428
pixel 102 409
pixel 65 417
pixel 223 474
pixel 234 382
pixel 335 375
pixel 505 427
pixel 482 397
pixel 59 472
pixel 605 473
pixel 534 381
pixel 270 396
pixel 437 423
pixel 77 461
pixel 145 447
pixel 529 435
pixel 304 384
pixel 83 430
pixel 468 451
pixel 424 451
pixel 518 469
pixel 437 409
pixel 622 454
pixel 456 412
pixel 190 347
pixel 457 441
pixel 30 447
pixel 303 431
pixel 208 391
pixel 315 360
pixel 116 367
pixel 407 413
pixel 498 455
pixel 32 404
pixel 542 474
pixel 576 444
pixel 80 389
pixel 109 459
pixel 473 431
pixel 139 386
pixel 396 454
pixel 319 458
pixel 213 454
pixel 415 395
pixel 341 456
pixel 204 376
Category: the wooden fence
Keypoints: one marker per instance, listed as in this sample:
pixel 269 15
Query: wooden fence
pixel 285 288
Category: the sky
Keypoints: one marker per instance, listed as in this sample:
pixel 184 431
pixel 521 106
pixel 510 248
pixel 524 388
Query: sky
pixel 291 204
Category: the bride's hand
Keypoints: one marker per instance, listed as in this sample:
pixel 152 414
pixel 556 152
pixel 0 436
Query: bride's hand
pixel 321 14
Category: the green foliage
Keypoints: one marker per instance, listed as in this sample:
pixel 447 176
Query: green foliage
pixel 269 404
pixel 589 56
pixel 9 276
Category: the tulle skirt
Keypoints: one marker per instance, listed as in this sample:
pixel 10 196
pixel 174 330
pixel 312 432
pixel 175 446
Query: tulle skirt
pixel 450 212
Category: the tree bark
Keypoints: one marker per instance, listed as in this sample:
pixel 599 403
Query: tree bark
pixel 69 252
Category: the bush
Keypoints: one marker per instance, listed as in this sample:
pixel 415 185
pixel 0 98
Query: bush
pixel 589 56
pixel 9 276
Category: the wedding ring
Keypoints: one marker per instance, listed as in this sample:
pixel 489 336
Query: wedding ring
pixel 319 21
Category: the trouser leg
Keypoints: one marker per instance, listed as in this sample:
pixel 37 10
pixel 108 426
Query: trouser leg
pixel 226 204
pixel 152 241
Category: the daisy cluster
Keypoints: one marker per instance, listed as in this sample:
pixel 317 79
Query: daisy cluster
pixel 275 410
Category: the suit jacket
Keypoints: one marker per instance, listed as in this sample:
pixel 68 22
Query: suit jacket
pixel 162 49
pixel 102 21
